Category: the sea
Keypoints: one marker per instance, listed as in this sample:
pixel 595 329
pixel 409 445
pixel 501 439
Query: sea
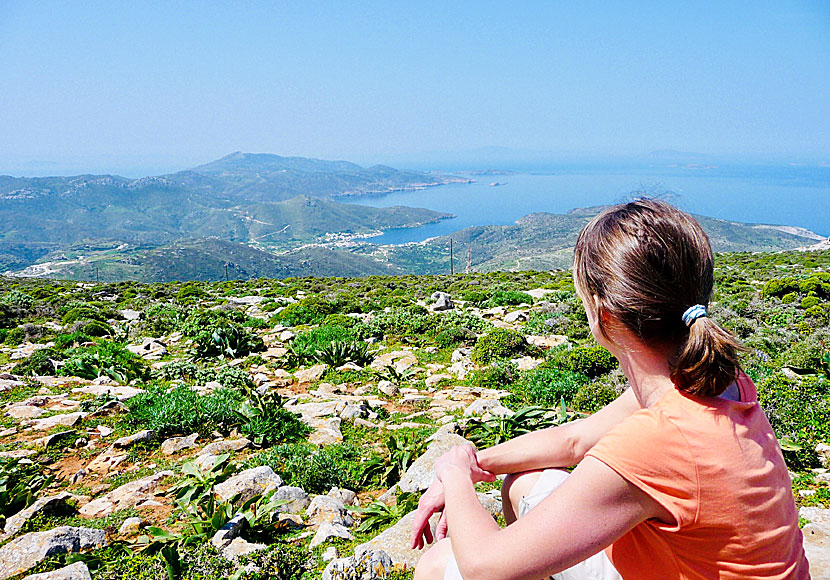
pixel 793 195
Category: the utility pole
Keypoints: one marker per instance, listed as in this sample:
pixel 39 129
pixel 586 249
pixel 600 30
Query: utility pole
pixel 469 258
pixel 226 271
pixel 452 265
pixel 97 277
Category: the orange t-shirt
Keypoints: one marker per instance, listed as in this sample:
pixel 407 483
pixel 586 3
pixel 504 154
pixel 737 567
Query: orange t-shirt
pixel 716 466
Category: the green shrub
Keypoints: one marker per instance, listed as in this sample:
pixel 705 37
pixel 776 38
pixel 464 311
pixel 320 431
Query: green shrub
pixel 96 328
pixel 799 412
pixel 190 293
pixel 338 319
pixel 789 298
pixel 815 285
pixel 315 469
pixel 15 336
pixel 83 312
pixel 20 482
pixel 39 363
pixel 104 358
pixel 266 422
pixel 161 319
pixel 810 301
pixel 226 339
pixel 546 387
pixel 499 343
pixel 591 361
pixel 311 310
pixel 498 375
pixel 306 344
pixel 817 312
pixel 780 286
pixel 593 396
pixel 181 410
pixel 805 354
pixel 65 341
pixel 507 298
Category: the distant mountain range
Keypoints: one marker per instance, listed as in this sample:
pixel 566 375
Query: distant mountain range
pixel 269 216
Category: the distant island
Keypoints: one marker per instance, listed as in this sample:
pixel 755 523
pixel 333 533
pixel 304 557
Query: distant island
pixel 253 215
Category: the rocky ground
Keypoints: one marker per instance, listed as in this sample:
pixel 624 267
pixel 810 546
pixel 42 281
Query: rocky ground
pixel 116 489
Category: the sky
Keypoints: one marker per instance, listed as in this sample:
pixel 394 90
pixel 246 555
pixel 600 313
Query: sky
pixel 133 87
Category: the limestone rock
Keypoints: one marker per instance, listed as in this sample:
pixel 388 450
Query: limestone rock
pixel 226 534
pixel 355 411
pixel 371 565
pixel 823 451
pixel 49 440
pixel 249 483
pixel 433 380
pixel 327 531
pixel 484 406
pixel 21 411
pixel 442 301
pixel 224 446
pixel 108 460
pixel 150 349
pixel 122 393
pixel 420 474
pixel 27 551
pixel 176 444
pixel 399 359
pixel 395 542
pixel 240 547
pixel 547 341
pixel 128 495
pixel 388 388
pixel 16 522
pixel 65 420
pixel 76 571
pixel 310 374
pixel 326 431
pixel 130 440
pixel 817 541
pixel 517 316
pixel 130 527
pixel 296 497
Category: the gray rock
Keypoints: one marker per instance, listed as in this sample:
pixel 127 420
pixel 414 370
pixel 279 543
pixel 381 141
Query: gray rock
pixel 108 460
pixel 76 571
pixel 329 554
pixel 483 406
pixel 420 474
pixel 517 316
pixel 310 374
pixel 327 531
pixel 176 444
pixel 395 542
pixel 442 301
pixel 326 431
pixel 27 551
pixel 16 522
pixel 388 388
pixel 49 440
pixel 122 393
pixel 128 495
pixel 130 440
pixel 296 497
pixel 21 411
pixel 240 547
pixel 343 495
pixel 371 565
pixel 130 527
pixel 65 420
pixel 249 483
pixel 817 541
pixel 226 534
pixel 823 451
pixel 328 509
pixel 355 411
pixel 219 447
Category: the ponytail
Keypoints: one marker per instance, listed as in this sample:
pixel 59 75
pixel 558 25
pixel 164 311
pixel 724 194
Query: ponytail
pixel 707 362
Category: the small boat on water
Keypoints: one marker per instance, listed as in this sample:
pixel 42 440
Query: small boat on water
pixel 497 183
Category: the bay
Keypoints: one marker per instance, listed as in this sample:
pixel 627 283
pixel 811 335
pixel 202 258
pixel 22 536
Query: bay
pixel 779 195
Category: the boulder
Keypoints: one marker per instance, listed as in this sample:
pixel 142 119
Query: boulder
pixel 16 522
pixel 547 341
pixel 122 393
pixel 29 550
pixel 107 460
pixel 388 388
pixel 240 547
pixel 823 451
pixel 130 527
pixel 296 497
pixel 484 406
pixel 176 444
pixel 371 565
pixel 355 411
pixel 224 446
pixel 65 420
pixel 420 474
pixel 327 531
pixel 310 374
pixel 23 411
pixel 326 431
pixel 129 495
pixel 395 542
pixel 226 534
pixel 817 541
pixel 249 483
pixel 76 571
pixel 130 440
pixel 517 316
pixel 441 302
pixel 433 380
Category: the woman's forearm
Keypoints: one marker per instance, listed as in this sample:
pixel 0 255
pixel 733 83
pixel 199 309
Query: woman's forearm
pixel 554 447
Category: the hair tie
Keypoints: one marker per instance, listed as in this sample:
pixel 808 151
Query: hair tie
pixel 693 313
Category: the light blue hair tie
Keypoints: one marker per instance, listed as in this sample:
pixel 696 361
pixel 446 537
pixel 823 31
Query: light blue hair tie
pixel 693 313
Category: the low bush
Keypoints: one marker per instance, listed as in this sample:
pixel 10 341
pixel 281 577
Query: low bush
pixel 181 410
pixel 499 343
pixel 507 298
pixel 498 375
pixel 15 336
pixel 226 339
pixel 41 362
pixel 104 358
pixel 315 469
pixel 547 387
pixel 305 345
pixel 161 319
pixel 20 482
pixel 311 310
pixel 189 372
pixel 591 361
pixel 593 396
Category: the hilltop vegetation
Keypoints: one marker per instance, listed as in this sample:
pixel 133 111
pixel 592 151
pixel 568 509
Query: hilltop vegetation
pixel 294 412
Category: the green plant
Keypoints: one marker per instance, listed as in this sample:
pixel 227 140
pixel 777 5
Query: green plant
pixel 15 336
pixel 315 469
pixel 495 430
pixel 387 470
pixel 181 410
pixel 498 375
pixel 338 353
pixel 507 298
pixel 593 396
pixel 591 361
pixel 266 422
pixel 546 386
pixel 104 358
pixel 393 375
pixel 378 515
pixel 20 482
pixel 41 362
pixel 226 339
pixel 499 343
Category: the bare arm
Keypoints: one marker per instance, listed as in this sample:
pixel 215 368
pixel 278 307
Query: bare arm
pixel 562 446
pixel 591 510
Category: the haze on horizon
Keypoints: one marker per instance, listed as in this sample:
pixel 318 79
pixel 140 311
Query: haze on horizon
pixel 146 88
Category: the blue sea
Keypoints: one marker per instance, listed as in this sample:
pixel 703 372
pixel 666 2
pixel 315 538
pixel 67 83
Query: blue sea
pixel 780 195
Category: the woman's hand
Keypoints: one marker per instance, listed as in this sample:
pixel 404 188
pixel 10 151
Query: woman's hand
pixel 462 458
pixel 432 501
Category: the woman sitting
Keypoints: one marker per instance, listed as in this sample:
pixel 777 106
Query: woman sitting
pixel 680 477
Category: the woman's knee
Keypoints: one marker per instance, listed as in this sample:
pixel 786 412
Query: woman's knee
pixel 433 563
pixel 513 489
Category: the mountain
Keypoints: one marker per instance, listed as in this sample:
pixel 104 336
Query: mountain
pixel 272 201
pixel 542 241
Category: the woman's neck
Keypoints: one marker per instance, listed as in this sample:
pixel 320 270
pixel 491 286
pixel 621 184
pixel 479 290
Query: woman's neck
pixel 648 371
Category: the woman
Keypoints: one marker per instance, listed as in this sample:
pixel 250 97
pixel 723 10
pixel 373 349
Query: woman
pixel 680 477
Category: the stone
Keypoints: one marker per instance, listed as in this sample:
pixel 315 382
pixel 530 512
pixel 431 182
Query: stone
pixel 130 527
pixel 349 366
pixel 371 565
pixel 248 483
pixel 343 495
pixel 329 554
pixel 108 460
pixel 240 547
pixel 399 359
pixel 315 410
pixel 388 388
pixel 286 335
pixel 420 474
pixel 395 542
pixel 791 374
pixel 65 420
pixel 484 406
pixel 823 452
pixel 128 495
pixel 355 411
pixel 122 393
pixel 224 446
pixel 176 444
pixel 128 314
pixel 547 341
pixel 326 431
pixel 150 348
pixel 21 411
pixel 460 354
pixel 817 541
pixel 49 440
pixel 27 551
pixel 76 571
pixel 310 374
pixel 433 380
pixel 517 316
pixel 130 440
pixel 527 363
pixel 327 531
pixel 109 409
pixel 296 497
pixel 16 522
pixel 328 509
pixel 226 534
pixel 441 302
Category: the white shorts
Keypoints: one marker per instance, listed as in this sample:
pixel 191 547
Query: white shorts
pixel 597 567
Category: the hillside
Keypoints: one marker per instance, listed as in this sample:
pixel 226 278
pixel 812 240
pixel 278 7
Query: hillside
pixel 154 419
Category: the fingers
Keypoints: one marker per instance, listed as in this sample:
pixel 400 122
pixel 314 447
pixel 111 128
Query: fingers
pixel 442 527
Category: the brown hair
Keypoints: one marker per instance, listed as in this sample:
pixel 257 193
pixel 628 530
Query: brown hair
pixel 647 262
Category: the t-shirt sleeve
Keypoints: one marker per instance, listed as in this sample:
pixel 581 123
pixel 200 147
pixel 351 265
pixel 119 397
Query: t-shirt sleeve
pixel 649 451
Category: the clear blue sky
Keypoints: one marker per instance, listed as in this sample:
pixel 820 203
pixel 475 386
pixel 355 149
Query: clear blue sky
pixel 170 84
